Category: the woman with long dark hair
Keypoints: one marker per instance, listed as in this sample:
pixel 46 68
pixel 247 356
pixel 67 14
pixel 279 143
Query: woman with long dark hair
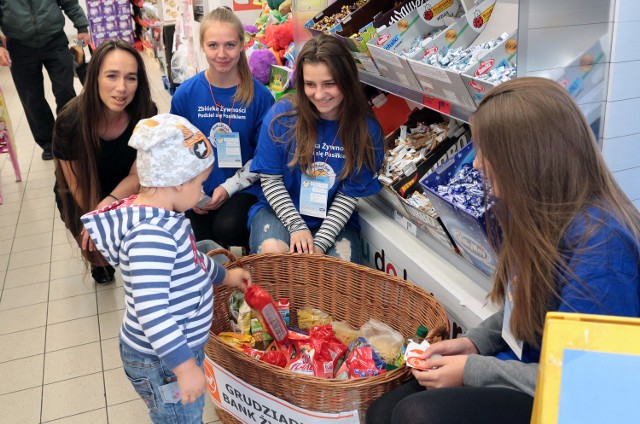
pixel 94 164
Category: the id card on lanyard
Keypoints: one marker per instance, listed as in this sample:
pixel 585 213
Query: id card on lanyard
pixel 507 334
pixel 228 147
pixel 314 195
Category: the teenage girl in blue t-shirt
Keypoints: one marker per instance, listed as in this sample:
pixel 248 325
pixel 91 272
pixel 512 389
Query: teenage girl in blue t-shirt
pixel 227 104
pixel 319 154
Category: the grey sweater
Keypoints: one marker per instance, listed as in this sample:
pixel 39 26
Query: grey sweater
pixel 484 370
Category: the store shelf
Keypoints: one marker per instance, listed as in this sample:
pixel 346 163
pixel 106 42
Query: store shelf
pixel 456 111
pixel 417 257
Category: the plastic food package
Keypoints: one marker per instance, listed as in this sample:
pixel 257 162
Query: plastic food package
pixel 275 357
pixel 236 340
pixel 244 318
pixel 328 350
pixel 260 301
pixel 386 341
pixel 344 332
pixel 310 317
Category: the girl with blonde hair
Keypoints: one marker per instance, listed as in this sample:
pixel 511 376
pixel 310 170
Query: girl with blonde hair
pixel 568 240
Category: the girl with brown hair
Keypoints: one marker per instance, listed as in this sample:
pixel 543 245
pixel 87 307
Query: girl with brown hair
pixel 227 104
pixel 319 154
pixel 568 240
pixel 94 164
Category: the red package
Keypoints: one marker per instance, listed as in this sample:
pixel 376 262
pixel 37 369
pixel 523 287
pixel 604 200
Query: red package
pixel 260 301
pixel 329 350
pixel 303 359
pixel 255 353
pixel 361 363
pixel 275 357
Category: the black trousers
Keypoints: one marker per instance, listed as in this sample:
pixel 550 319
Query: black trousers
pixel 413 404
pixel 26 70
pixel 226 226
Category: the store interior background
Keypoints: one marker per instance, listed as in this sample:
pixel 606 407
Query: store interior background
pixel 58 332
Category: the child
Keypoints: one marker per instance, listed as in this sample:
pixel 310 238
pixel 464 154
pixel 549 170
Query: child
pixel 319 154
pixel 225 101
pixel 167 281
pixel 568 241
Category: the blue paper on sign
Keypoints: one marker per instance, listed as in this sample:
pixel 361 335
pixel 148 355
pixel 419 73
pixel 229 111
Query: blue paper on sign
pixel 599 387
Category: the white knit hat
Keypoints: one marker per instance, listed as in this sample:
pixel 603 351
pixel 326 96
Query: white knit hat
pixel 171 151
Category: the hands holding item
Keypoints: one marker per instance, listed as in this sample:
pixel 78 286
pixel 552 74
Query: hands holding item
pixel 84 39
pixel 445 361
pixel 239 278
pixel 191 381
pixel 301 242
pixel 218 198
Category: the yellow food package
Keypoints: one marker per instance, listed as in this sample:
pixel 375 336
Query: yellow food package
pixel 344 332
pixel 237 340
pixel 310 317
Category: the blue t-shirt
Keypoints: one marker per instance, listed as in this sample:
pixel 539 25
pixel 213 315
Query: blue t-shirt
pixel 272 157
pixel 193 101
pixel 606 272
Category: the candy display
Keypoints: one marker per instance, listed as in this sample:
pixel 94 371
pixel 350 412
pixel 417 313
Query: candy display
pixel 421 202
pixel 418 44
pixel 465 190
pixel 328 22
pixel 411 149
pixel 459 59
pixel 499 74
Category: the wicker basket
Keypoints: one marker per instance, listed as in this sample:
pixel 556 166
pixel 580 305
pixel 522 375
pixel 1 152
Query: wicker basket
pixel 348 292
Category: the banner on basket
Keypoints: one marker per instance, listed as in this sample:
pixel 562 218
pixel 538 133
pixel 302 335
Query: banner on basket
pixel 252 405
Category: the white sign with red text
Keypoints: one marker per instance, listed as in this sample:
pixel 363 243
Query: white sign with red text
pixel 251 405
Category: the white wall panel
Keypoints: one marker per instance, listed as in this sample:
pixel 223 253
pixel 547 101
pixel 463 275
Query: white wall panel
pixel 625 46
pixel 629 181
pixel 622 119
pixel 622 153
pixel 623 80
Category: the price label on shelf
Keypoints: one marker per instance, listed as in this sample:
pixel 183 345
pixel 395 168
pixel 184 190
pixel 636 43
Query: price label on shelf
pixel 436 104
pixel 405 223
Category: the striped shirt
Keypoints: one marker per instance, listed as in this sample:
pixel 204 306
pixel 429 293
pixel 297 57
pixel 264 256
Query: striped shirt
pixel 167 282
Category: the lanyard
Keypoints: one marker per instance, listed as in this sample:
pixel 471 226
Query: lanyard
pixel 219 105
pixel 326 159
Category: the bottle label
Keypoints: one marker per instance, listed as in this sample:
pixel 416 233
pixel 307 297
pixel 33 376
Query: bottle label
pixel 274 321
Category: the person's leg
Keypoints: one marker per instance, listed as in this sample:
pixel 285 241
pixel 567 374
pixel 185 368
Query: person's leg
pixel 268 234
pixel 59 64
pixel 464 405
pixel 230 224
pixel 26 70
pixel 201 224
pixel 347 245
pixel 379 412
pixel 157 386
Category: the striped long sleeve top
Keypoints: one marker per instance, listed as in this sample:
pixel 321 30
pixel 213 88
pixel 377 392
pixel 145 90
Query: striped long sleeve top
pixel 167 281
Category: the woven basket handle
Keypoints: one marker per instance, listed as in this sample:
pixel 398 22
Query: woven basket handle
pixel 233 259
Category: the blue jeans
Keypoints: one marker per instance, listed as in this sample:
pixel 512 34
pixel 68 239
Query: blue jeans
pixel 155 383
pixel 266 225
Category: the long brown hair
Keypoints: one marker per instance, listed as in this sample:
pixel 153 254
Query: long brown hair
pixel 244 93
pixel 353 113
pixel 87 111
pixel 548 169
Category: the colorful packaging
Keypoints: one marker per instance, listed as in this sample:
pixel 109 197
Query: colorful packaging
pixel 284 307
pixel 275 357
pixel 310 317
pixel 260 301
pixel 329 350
pixel 259 334
pixel 236 340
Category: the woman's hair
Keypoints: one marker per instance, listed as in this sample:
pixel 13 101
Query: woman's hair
pixel 244 94
pixel 88 112
pixel 353 112
pixel 548 169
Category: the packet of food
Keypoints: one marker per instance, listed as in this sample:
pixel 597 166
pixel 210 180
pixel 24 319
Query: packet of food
pixel 254 353
pixel 236 340
pixel 263 339
pixel 344 332
pixel 310 317
pixel 412 355
pixel 386 341
pixel 260 301
pixel 275 357
pixel 244 318
pixel 235 300
pixel 329 349
pixel 303 361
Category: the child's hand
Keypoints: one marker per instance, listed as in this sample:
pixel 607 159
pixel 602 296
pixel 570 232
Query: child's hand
pixel 191 381
pixel 239 278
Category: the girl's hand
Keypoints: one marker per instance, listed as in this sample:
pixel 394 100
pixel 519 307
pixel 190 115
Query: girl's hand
pixel 239 278
pixel 191 381
pixel 446 371
pixel 459 346
pixel 301 242
pixel 199 211
pixel 87 243
pixel 218 198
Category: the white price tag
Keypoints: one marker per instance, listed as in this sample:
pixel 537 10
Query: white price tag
pixel 405 223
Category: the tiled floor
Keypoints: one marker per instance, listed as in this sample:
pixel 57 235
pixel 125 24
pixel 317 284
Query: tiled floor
pixel 59 359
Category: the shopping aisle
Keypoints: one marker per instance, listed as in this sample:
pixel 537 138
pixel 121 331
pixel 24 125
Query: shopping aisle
pixel 59 357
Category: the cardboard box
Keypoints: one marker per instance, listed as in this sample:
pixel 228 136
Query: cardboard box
pixel 367 9
pixel 399 36
pixel 504 54
pixel 467 231
pixel 368 27
pixel 443 83
pixel 431 224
